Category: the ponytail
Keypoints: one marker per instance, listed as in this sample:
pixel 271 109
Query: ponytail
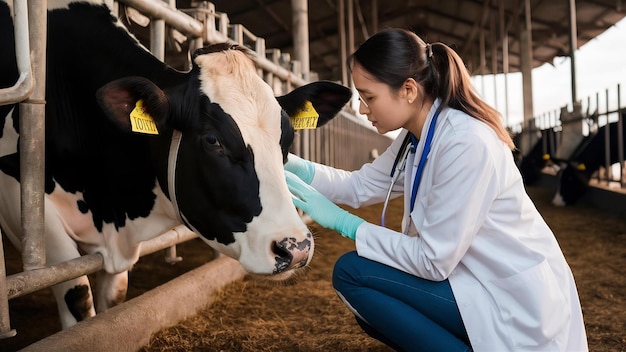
pixel 455 90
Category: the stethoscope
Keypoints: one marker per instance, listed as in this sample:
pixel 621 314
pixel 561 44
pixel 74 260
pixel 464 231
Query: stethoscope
pixel 409 145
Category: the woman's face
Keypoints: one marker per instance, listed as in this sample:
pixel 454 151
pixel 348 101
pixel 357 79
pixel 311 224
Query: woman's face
pixel 385 108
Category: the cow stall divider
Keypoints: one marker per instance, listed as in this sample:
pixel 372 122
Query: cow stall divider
pixel 347 142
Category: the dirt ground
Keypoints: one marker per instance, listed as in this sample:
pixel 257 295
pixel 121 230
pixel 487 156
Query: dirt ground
pixel 305 313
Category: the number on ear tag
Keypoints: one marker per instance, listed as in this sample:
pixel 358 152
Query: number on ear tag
pixel 141 121
pixel 305 118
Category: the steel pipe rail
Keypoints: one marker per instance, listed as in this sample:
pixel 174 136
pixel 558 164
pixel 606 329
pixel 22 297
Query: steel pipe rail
pixel 31 143
pixel 279 72
pixel 211 34
pixel 30 281
pixel 216 33
pixel 129 326
pixel 173 17
pixel 5 322
pixel 25 83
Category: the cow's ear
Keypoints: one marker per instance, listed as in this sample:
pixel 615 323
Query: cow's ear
pixel 317 102
pixel 134 104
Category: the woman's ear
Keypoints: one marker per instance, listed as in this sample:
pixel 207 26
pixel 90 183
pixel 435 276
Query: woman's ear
pixel 410 90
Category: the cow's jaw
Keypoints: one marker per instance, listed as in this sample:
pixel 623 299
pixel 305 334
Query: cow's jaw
pixel 271 248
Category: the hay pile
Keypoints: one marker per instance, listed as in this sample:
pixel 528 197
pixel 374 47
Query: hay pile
pixel 308 316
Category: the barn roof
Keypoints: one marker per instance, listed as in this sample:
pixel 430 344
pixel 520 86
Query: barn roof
pixel 456 23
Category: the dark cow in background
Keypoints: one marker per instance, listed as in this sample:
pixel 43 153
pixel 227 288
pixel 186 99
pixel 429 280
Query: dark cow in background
pixel 538 157
pixel 589 156
pixel 134 148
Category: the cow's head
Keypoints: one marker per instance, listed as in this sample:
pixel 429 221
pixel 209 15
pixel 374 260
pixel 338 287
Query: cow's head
pixel 227 177
pixel 572 183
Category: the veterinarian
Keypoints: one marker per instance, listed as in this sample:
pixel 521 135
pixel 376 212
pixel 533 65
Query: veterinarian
pixel 475 267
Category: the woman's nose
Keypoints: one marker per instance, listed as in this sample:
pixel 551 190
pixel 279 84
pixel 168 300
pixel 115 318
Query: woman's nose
pixel 363 107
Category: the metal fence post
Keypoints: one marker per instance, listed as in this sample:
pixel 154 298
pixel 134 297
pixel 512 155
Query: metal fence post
pixel 32 139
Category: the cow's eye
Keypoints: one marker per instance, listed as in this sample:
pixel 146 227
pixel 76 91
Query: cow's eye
pixel 211 139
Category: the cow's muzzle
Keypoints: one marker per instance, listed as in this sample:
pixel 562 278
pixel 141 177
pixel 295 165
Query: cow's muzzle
pixel 291 254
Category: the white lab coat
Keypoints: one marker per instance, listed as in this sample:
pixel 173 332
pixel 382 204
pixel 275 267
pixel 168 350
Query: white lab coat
pixel 477 228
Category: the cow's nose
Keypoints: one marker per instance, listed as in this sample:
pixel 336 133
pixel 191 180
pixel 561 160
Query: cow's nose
pixel 291 253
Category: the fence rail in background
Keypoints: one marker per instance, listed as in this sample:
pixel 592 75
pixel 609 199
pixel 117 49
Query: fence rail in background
pixel 344 143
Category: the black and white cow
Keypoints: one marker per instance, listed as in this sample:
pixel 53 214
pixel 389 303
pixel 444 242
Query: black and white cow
pixel 589 156
pixel 215 161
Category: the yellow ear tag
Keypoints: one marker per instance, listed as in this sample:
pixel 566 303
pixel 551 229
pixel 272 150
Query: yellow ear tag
pixel 140 121
pixel 546 157
pixel 305 118
pixel 581 167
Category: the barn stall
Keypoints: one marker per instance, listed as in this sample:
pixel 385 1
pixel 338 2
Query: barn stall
pixel 340 144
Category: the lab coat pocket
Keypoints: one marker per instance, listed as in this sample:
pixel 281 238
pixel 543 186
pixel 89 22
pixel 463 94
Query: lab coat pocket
pixel 532 307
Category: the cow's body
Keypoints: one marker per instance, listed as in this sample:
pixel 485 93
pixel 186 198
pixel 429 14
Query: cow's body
pixel 107 188
pixel 588 157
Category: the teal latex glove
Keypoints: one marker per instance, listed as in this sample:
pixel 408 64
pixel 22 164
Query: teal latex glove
pixel 300 167
pixel 321 209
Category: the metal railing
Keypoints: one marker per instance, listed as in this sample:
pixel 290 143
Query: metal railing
pixel 339 144
pixel 23 88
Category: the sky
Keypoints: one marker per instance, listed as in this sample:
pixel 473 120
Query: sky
pixel 600 65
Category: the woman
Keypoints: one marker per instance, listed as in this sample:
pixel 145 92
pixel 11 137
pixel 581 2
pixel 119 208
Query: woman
pixel 475 266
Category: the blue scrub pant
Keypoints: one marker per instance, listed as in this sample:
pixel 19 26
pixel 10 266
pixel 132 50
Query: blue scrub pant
pixel 403 311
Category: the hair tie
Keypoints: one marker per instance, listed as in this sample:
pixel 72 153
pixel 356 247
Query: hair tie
pixel 429 50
